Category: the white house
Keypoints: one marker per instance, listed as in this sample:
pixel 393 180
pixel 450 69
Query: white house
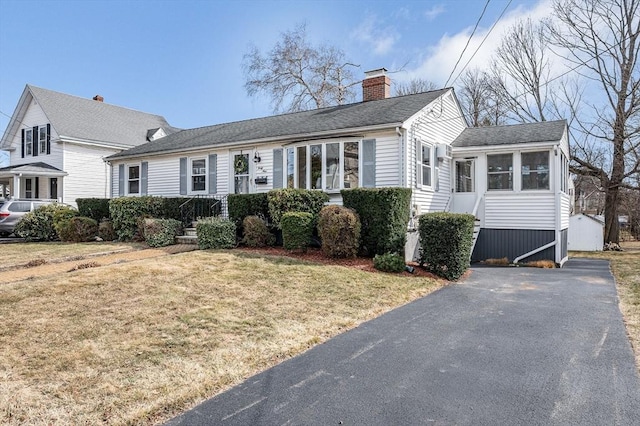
pixel 586 233
pixel 57 144
pixel 514 178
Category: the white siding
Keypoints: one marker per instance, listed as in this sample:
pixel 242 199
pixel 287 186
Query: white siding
pixel 35 117
pixel 387 160
pixel 88 174
pixel 163 177
pixel 519 211
pixel 565 210
pixel 439 123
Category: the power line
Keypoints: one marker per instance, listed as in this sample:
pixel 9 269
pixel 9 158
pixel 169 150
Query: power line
pixel 468 41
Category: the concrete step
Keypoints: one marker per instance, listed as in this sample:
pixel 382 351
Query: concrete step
pixel 190 232
pixel 186 239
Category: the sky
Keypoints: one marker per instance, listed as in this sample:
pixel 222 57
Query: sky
pixel 182 59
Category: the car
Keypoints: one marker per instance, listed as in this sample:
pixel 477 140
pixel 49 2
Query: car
pixel 12 211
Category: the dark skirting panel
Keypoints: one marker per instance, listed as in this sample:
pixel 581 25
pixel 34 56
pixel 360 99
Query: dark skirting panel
pixel 564 241
pixel 511 243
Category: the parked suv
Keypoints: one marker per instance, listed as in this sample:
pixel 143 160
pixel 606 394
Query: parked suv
pixel 12 210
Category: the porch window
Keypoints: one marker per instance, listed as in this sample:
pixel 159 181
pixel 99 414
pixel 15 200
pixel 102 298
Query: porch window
pixel 28 142
pixel 302 167
pixel 464 176
pixel 42 139
pixel 198 174
pixel 291 165
pixel 316 166
pixel 535 170
pixel 500 172
pixel 332 166
pixel 134 179
pixel 425 161
pixel 241 173
pixel 351 179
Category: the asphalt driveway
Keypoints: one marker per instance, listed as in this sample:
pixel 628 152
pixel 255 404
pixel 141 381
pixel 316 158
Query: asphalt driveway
pixel 507 346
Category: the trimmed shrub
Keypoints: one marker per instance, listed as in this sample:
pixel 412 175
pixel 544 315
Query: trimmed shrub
pixel 126 211
pixel 95 208
pixel 384 215
pixel 216 233
pixel 243 205
pixel 256 233
pixel 297 229
pixel 105 231
pixel 77 229
pixel 286 200
pixel 445 243
pixel 161 232
pixel 339 230
pixel 40 223
pixel 389 262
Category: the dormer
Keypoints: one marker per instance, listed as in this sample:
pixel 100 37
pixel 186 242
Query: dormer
pixel 155 134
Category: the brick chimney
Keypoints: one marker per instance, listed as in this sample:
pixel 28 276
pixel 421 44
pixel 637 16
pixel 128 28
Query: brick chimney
pixel 98 98
pixel 376 85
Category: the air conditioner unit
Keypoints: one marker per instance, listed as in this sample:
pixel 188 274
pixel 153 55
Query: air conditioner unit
pixel 443 151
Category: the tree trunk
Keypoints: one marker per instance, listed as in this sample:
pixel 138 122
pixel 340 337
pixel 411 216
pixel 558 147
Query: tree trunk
pixel 611 225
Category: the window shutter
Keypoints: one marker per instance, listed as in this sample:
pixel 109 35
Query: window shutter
pixel 35 141
pixel 213 173
pixel 22 143
pixel 48 139
pixel 37 192
pixel 121 180
pixel 144 180
pixel 418 163
pixel 369 163
pixel 277 168
pixel 183 175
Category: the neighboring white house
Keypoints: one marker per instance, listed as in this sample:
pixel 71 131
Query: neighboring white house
pixel 586 233
pixel 57 144
pixel 410 141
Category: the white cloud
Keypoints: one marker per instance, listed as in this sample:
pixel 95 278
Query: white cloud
pixel 372 32
pixel 437 61
pixel 433 13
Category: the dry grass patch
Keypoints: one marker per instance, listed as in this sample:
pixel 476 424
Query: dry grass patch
pixel 544 264
pixel 140 342
pixel 502 261
pixel 625 266
pixel 21 254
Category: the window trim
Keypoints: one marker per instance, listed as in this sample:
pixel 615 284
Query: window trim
pixel 549 181
pixel 232 171
pixel 472 176
pixel 433 165
pixel 28 144
pixel 42 143
pixel 128 180
pixel 191 175
pixel 507 172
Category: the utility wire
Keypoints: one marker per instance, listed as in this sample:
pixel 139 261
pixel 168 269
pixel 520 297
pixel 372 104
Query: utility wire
pixel 468 41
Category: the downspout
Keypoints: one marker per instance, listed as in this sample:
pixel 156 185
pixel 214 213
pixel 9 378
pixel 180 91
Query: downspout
pixel 107 182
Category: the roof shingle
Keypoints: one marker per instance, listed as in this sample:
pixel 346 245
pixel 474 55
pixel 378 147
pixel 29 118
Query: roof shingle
pixel 545 131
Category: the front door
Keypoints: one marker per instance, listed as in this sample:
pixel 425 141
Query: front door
pixel 241 176
pixel 53 188
pixel 464 196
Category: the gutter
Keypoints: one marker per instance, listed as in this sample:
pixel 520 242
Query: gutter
pixel 77 141
pixel 300 137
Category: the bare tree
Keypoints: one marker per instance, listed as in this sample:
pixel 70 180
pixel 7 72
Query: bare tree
pixel 416 85
pixel 478 99
pixel 297 76
pixel 520 73
pixel 602 38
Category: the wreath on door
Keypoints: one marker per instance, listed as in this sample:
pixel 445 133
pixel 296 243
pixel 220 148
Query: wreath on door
pixel 241 165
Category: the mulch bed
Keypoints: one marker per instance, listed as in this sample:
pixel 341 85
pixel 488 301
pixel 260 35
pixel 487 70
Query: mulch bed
pixel 317 256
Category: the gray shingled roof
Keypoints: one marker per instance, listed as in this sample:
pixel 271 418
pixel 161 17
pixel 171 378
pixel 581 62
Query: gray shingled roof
pixel 389 111
pixel 30 168
pixel 513 134
pixel 87 119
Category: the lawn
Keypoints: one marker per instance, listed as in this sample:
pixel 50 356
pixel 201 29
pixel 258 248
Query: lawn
pixel 625 266
pixel 139 342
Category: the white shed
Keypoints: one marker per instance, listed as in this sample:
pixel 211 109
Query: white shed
pixel 585 233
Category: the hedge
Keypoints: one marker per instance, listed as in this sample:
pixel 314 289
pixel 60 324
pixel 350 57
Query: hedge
pixel 384 215
pixel 216 233
pixel 286 200
pixel 256 233
pixel 339 230
pixel 77 229
pixel 445 243
pixel 95 208
pixel 297 229
pixel 389 262
pixel 161 232
pixel 40 224
pixel 125 213
pixel 243 205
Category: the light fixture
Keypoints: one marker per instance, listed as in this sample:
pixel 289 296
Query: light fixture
pixel 256 157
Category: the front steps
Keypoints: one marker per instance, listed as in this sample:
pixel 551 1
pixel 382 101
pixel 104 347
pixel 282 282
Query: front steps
pixel 190 236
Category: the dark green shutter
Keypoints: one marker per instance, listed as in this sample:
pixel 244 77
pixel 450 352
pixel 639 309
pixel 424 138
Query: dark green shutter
pixel 183 175
pixel 37 195
pixel 213 173
pixel 121 180
pixel 35 141
pixel 48 139
pixel 22 130
pixel 369 163
pixel 144 180
pixel 277 169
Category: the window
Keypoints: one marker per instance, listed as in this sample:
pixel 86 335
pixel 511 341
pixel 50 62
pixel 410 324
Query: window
pixel 319 166
pixel 500 172
pixel 134 179
pixel 350 151
pixel 28 141
pixel 464 176
pixel 28 188
pixel 535 170
pixel 198 174
pixel 425 164
pixel 241 173
pixel 42 139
